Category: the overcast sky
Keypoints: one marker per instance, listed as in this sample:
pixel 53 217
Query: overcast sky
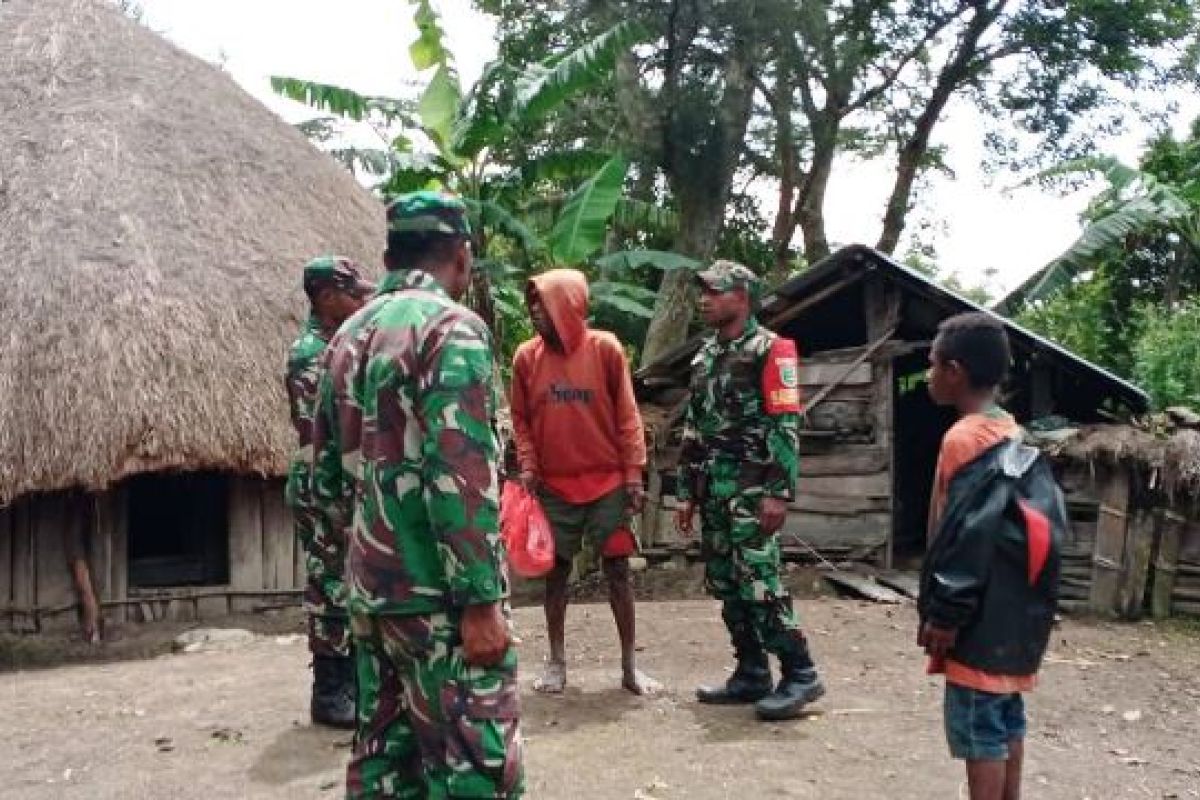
pixel 363 45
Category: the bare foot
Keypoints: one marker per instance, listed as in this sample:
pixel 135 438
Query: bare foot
pixel 553 679
pixel 639 683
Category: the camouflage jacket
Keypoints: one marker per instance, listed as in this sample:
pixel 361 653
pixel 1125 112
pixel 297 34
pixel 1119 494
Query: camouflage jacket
pixel 737 439
pixel 404 449
pixel 301 380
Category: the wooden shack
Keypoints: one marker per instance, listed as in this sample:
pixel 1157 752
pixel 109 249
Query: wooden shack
pixel 864 325
pixel 154 219
pixel 1134 498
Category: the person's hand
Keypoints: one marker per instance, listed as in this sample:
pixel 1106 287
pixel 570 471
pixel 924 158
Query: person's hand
pixel 529 481
pixel 636 493
pixel 485 635
pixel 771 514
pixel 684 518
pixel 936 641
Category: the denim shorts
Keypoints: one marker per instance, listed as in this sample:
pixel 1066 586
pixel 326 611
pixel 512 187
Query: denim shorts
pixel 979 725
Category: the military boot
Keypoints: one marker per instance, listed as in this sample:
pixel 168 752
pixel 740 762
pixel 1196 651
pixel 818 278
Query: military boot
pixel 333 692
pixel 750 681
pixel 798 686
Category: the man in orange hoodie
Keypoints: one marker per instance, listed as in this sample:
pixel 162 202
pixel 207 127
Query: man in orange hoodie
pixel 582 450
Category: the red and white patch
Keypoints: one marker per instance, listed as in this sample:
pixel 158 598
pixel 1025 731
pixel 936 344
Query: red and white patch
pixel 781 378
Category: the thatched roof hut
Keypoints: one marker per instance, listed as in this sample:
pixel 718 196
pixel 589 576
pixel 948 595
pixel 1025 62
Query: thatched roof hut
pixel 153 219
pixel 1164 461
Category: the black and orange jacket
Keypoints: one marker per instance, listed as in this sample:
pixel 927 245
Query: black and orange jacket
pixel 992 570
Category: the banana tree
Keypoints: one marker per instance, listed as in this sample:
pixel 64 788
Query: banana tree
pixel 470 133
pixel 1134 204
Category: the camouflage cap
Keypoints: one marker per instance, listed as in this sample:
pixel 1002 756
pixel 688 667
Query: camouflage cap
pixel 725 276
pixel 335 272
pixel 428 212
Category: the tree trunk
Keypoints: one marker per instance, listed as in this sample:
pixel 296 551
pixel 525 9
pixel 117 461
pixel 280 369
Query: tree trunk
pixel 675 306
pixel 954 74
pixel 810 205
pixel 701 182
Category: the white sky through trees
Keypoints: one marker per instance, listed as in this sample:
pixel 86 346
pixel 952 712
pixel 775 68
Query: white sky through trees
pixel 363 45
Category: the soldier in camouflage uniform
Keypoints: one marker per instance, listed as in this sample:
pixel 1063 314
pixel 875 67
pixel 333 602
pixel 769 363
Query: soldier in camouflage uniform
pixel 335 289
pixel 738 467
pixel 405 451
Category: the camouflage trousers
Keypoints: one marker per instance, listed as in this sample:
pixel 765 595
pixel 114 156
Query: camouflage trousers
pixel 430 725
pixel 742 570
pixel 324 591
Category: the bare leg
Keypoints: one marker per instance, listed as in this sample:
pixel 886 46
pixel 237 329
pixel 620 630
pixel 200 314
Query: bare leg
pixel 620 597
pixel 554 680
pixel 986 779
pixel 1012 778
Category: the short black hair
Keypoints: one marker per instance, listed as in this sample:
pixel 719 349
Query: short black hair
pixel 421 249
pixel 979 343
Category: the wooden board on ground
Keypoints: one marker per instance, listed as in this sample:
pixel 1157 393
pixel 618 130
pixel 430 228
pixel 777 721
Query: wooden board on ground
pixel 906 583
pixel 863 586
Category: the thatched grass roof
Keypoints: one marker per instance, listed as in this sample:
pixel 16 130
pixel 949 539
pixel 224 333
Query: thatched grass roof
pixel 153 222
pixel 1168 461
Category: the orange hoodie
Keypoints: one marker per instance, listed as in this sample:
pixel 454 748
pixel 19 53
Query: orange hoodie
pixel 575 419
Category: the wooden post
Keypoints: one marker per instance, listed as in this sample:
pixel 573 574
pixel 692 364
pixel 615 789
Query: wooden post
pixel 245 537
pixel 1139 546
pixel 118 582
pixel 24 594
pixel 6 564
pixel 1167 562
pixel 649 531
pixel 278 538
pixel 882 307
pixel 1108 559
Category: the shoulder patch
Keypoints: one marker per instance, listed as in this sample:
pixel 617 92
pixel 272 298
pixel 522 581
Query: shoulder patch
pixel 781 378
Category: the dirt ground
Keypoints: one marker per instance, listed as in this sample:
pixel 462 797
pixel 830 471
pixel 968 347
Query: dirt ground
pixel 1117 716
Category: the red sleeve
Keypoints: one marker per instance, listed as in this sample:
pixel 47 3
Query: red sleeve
pixel 630 433
pixel 781 378
pixel 519 400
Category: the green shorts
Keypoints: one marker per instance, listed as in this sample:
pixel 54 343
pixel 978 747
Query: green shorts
pixel 572 522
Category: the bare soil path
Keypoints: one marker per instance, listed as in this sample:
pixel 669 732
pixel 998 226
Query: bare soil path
pixel 1117 716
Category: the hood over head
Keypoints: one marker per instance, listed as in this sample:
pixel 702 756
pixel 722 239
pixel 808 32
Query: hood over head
pixel 564 294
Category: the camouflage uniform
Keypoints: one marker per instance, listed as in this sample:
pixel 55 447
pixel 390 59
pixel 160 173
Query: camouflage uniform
pixel 324 589
pixel 734 454
pixel 406 452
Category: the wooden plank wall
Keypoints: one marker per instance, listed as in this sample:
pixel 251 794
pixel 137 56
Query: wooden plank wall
pixel 36 587
pixel 262 543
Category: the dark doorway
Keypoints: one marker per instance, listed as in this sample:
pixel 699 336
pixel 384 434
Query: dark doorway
pixel 178 530
pixel 919 428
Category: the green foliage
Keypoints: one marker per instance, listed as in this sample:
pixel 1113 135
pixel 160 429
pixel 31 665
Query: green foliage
pixel 343 102
pixel 1080 319
pixel 1167 355
pixel 544 86
pixel 1135 203
pixel 659 259
pixel 580 229
pixel 427 51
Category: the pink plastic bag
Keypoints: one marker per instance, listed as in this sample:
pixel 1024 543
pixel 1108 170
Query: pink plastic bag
pixel 526 532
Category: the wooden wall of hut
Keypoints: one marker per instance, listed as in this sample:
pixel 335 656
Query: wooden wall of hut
pixel 41 535
pixel 1131 551
pixel 843 505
